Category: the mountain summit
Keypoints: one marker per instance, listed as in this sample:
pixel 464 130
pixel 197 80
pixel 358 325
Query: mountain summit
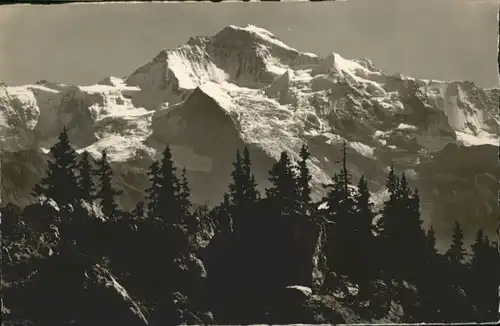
pixel 244 86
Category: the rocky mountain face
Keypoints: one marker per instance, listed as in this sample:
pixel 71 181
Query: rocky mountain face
pixel 243 86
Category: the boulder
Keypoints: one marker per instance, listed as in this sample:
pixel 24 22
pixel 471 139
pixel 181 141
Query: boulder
pixel 81 293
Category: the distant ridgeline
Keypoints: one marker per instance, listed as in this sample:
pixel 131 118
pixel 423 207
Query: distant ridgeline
pixel 74 257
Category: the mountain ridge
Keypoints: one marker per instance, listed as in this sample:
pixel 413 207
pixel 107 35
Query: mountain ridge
pixel 244 86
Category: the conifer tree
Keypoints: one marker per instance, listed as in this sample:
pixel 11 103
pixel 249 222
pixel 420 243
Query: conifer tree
pixel 304 177
pixel 341 211
pixel 85 180
pixel 243 192
pixel 364 213
pixel 282 213
pixel 222 214
pixel 250 185
pixel 407 242
pixel 392 182
pixel 340 196
pixel 284 191
pixel 333 197
pixel 431 241
pixel 362 237
pixel 226 201
pixel 455 276
pixel 106 192
pixel 236 187
pixel 409 204
pixel 344 173
pixel 484 280
pixel 389 212
pixel 412 219
pixel 456 252
pixel 60 182
pixel 184 195
pixel 364 208
pixel 169 187
pixel 429 283
pixel 389 227
pixel 154 190
pixel 405 191
pixel 491 282
pixel 479 262
pixel 478 245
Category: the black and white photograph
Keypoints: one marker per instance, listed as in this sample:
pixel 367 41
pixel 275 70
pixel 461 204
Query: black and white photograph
pixel 249 163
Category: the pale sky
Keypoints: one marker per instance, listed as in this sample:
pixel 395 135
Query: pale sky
pixel 81 44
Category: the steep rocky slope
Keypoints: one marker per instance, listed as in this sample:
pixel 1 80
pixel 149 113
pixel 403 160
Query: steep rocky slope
pixel 244 86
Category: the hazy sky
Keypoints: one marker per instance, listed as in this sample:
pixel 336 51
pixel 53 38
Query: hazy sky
pixel 81 44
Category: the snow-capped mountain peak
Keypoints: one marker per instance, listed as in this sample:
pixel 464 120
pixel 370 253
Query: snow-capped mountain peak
pixel 245 86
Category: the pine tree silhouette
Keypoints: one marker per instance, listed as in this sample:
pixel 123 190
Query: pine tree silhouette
pixel 363 239
pixel 60 182
pixel 405 250
pixel 284 192
pixel 85 180
pixel 431 241
pixel 344 173
pixel 235 216
pixel 493 277
pixel 478 247
pixel 456 252
pixel 278 216
pixel 184 195
pixel 243 192
pixel 388 226
pixel 236 186
pixel 430 287
pixel 364 208
pixel 250 185
pixel 154 190
pixel 402 239
pixel 392 182
pixel 431 256
pixel 457 273
pixel 169 209
pixel 484 281
pixel 334 197
pixel 106 192
pixel 340 196
pixel 222 214
pixel 403 187
pixel 416 242
pixel 341 211
pixel 304 177
pixel 168 199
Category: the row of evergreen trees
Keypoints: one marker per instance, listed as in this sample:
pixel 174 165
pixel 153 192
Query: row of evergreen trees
pixel 68 181
pixel 361 245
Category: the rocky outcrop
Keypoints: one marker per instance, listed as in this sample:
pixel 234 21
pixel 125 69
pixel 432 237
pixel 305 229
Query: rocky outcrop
pixel 82 294
pixel 40 262
pixel 180 311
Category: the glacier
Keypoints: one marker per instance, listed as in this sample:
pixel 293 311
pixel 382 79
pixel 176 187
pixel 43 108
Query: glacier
pixel 244 86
